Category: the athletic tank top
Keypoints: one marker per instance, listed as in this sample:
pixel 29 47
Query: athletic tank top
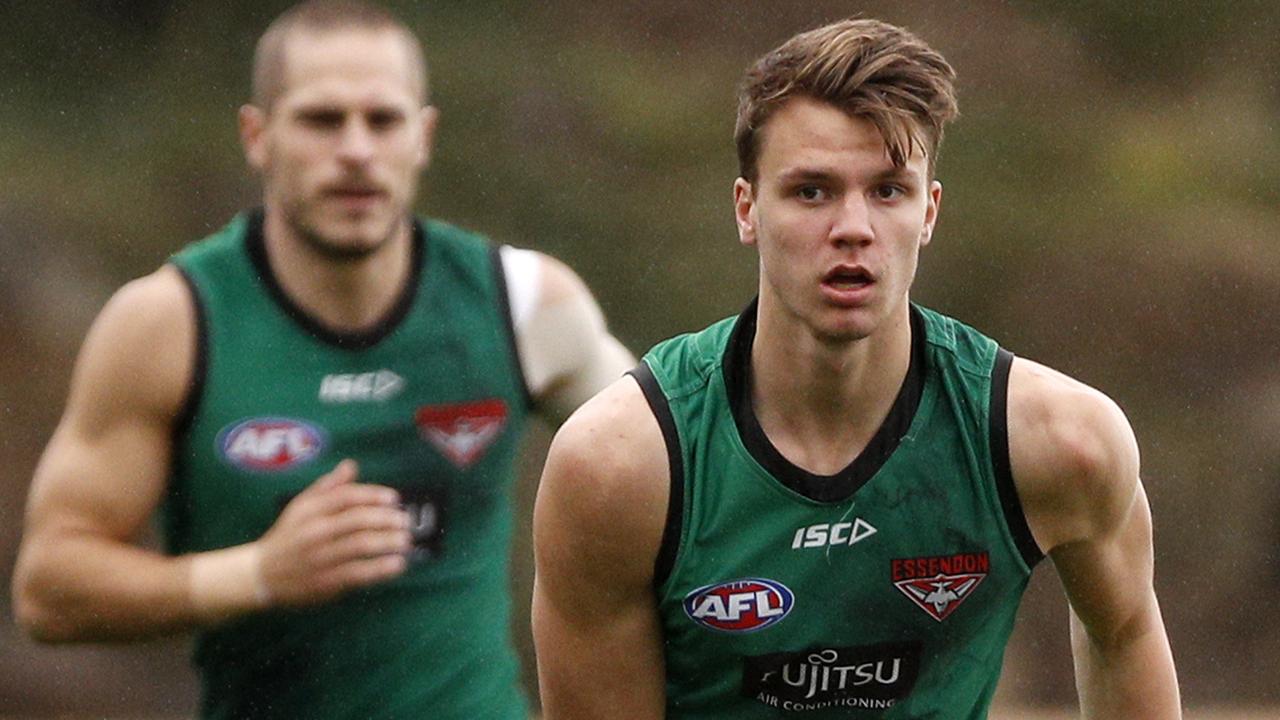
pixel 430 402
pixel 887 590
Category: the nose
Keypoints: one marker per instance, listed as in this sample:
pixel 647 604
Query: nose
pixel 851 225
pixel 356 144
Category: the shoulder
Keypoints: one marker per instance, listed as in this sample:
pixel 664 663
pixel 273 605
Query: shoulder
pixel 613 449
pixel 605 488
pixel 543 278
pixel 538 284
pixel 156 301
pixel 1072 452
pixel 157 309
pixel 140 350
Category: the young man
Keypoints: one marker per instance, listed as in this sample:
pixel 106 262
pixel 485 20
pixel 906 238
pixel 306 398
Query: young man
pixel 830 505
pixel 324 399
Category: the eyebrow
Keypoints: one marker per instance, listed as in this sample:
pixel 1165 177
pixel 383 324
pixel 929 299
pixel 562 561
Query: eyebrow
pixel 900 174
pixel 327 108
pixel 317 108
pixel 805 173
pixel 799 174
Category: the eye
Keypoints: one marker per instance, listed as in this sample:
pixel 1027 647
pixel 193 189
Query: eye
pixel 889 192
pixel 811 193
pixel 321 119
pixel 383 120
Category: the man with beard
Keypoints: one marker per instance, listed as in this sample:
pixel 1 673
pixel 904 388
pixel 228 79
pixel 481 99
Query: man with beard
pixel 324 402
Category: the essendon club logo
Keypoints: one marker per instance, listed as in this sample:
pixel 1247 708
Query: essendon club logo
pixel 462 431
pixel 938 585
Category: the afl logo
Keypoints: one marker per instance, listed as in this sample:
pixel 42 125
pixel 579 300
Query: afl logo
pixel 744 605
pixel 270 444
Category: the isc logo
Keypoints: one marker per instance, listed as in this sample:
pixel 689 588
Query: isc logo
pixel 360 387
pixel 741 605
pixel 270 444
pixel 824 534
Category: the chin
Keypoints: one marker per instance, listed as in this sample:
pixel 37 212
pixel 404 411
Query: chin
pixel 343 250
pixel 845 326
pixel 344 243
pixel 347 237
pixel 841 335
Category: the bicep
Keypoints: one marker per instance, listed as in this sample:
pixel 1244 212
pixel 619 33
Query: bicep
pixel 1108 576
pixel 105 481
pixel 597 525
pixel 103 470
pixel 599 655
pixel 1075 461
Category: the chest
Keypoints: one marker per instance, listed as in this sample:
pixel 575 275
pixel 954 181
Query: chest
pixel 434 410
pixel 795 599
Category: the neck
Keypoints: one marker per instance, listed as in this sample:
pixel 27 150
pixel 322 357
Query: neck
pixel 820 401
pixel 347 294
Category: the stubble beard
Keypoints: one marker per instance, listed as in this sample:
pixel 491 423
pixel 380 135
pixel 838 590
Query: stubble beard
pixel 335 249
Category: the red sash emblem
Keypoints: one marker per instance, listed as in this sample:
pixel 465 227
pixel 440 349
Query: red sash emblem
pixel 462 431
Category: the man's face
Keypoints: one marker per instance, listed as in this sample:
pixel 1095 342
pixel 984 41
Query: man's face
pixel 838 227
pixel 341 147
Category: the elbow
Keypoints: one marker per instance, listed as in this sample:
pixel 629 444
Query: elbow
pixel 40 625
pixel 35 620
pixel 37 613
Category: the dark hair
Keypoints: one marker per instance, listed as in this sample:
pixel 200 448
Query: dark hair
pixel 867 68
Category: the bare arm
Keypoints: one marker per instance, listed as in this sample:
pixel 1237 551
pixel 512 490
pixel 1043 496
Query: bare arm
pixel 1075 462
pixel 566 351
pixel 80 574
pixel 597 525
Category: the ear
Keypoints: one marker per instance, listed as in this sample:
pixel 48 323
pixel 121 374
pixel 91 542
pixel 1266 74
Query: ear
pixel 931 212
pixel 428 118
pixel 253 125
pixel 744 211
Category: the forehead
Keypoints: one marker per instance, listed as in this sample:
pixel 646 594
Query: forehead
pixel 807 135
pixel 350 66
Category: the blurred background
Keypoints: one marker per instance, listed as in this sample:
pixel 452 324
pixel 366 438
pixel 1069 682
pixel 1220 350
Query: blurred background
pixel 1112 209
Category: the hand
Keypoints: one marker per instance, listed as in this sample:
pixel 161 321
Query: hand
pixel 335 536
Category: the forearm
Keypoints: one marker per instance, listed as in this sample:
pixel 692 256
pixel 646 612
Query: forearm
pixel 1128 675
pixel 75 587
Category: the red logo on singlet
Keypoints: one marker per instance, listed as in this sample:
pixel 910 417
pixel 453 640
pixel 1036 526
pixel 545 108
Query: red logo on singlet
pixel 939 584
pixel 462 431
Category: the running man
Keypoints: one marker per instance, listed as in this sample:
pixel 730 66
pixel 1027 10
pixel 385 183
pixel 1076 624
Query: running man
pixel 324 401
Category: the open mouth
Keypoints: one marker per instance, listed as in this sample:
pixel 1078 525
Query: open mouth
pixel 848 278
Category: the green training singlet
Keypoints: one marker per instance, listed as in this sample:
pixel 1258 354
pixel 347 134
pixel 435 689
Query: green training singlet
pixel 887 590
pixel 430 402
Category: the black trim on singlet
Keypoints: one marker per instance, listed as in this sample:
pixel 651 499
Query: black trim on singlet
pixel 255 245
pixel 509 321
pixel 998 432
pixel 657 400
pixel 199 365
pixel 822 488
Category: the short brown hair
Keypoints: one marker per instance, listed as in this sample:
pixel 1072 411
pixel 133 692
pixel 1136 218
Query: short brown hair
pixel 318 16
pixel 867 68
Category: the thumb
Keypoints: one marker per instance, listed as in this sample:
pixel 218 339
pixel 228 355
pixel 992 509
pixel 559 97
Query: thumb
pixel 343 473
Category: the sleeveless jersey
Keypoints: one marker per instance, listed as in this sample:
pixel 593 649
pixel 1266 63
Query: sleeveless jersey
pixel 887 590
pixel 431 402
